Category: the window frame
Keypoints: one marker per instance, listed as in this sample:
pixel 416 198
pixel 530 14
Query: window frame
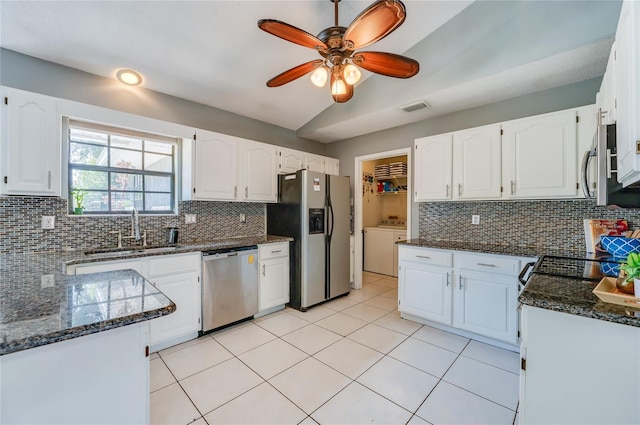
pixel 174 142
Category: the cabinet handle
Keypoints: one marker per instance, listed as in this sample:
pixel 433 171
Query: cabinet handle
pixel 246 191
pixel 277 251
pixel 486 265
pixel 460 282
pixel 459 189
pixel 423 256
pixel 448 279
pixel 264 270
pixel 447 192
pixel 49 179
pixel 513 187
pixel 235 191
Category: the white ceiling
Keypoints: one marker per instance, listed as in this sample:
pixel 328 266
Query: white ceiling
pixel 213 53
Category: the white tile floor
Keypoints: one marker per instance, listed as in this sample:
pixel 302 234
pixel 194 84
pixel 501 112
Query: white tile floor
pixel 349 361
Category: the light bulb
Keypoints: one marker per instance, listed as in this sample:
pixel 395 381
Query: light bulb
pixel 319 76
pixel 338 87
pixel 351 74
pixel 129 77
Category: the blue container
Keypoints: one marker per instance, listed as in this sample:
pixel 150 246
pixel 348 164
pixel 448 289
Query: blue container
pixel 619 246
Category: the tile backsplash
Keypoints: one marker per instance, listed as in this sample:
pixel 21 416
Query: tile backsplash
pixel 544 224
pixel 20 224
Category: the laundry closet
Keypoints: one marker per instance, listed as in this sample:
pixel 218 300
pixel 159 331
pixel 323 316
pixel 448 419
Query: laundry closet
pixel 384 212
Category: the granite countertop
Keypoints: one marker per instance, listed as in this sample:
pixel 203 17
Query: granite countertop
pixel 562 294
pixel 574 296
pixel 40 304
pixel 489 248
pixel 39 308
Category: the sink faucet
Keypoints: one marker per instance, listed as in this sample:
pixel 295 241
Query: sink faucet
pixel 135 224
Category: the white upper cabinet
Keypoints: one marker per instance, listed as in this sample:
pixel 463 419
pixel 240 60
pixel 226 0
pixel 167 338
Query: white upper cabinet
pixel 606 97
pixel 433 156
pixel 540 156
pixel 290 160
pixel 628 97
pixel 315 163
pixel 260 170
pixel 332 166
pixel 477 163
pixel 215 161
pixel 30 150
pixel 228 168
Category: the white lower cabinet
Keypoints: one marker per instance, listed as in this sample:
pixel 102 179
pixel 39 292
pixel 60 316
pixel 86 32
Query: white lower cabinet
pixel 424 291
pixel 486 304
pixel 578 370
pixel 178 277
pixel 273 292
pixel 475 293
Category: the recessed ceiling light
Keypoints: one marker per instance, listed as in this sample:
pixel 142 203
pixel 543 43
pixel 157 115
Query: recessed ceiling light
pixel 129 77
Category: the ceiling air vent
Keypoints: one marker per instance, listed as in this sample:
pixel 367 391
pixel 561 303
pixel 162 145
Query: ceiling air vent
pixel 415 106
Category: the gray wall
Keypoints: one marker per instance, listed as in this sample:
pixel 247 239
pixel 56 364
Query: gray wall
pixel 40 76
pixel 572 95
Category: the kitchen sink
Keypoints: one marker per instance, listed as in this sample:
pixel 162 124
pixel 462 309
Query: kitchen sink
pixel 124 251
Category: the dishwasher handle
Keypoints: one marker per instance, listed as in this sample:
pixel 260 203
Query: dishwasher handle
pixel 229 252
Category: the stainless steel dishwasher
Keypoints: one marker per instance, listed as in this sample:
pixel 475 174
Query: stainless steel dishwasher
pixel 229 287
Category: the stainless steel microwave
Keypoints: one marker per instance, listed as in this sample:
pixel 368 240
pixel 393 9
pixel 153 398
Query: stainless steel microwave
pixel 607 191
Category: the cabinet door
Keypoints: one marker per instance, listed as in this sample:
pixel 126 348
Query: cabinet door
pixel 425 291
pixel 216 166
pixel 486 303
pixel 477 165
pixel 274 283
pixel 260 178
pixel 628 84
pixel 378 251
pixel 315 163
pixel 30 151
pixel 290 161
pixel 433 167
pixel 184 291
pixel 540 156
pixel 332 166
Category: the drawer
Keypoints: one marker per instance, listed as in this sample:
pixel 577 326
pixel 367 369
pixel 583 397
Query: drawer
pixel 501 264
pixel 174 264
pixel 424 255
pixel 273 250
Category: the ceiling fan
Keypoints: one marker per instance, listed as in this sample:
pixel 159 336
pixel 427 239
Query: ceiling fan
pixel 337 45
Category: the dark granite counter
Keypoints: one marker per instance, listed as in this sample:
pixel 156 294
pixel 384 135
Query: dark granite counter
pixel 487 248
pixel 40 304
pixel 562 294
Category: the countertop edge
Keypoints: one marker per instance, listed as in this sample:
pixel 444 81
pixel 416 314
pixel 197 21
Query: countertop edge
pixel 80 331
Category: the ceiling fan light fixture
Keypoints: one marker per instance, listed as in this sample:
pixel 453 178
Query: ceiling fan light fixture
pixel 351 74
pixel 319 76
pixel 129 77
pixel 338 88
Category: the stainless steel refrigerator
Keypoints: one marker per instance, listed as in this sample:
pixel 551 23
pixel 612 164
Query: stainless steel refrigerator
pixel 313 208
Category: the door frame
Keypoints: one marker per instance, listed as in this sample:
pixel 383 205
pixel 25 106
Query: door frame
pixel 357 204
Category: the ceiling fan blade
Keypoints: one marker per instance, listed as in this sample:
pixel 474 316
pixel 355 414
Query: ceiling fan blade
pixel 374 23
pixel 342 97
pixel 294 73
pixel 388 64
pixel 291 33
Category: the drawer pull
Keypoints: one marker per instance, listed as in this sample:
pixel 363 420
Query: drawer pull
pixel 486 265
pixel 423 256
pixel 276 251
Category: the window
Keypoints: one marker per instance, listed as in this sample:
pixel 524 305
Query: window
pixel 116 170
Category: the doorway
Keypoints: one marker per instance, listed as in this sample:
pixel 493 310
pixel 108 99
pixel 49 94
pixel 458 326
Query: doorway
pixel 378 196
